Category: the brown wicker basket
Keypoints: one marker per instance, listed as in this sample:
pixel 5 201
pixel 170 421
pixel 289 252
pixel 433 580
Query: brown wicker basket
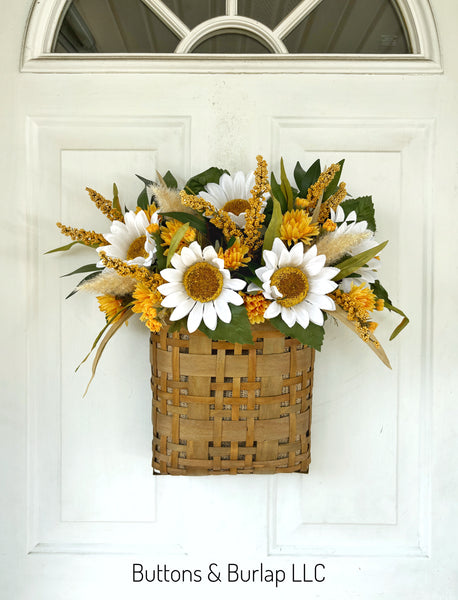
pixel 221 408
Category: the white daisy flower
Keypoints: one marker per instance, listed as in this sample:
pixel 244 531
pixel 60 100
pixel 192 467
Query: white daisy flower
pixel 232 194
pixel 338 216
pixel 297 283
pixel 130 241
pixel 200 287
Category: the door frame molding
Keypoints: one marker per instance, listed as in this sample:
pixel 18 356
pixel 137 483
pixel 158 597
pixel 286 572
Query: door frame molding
pixel 45 18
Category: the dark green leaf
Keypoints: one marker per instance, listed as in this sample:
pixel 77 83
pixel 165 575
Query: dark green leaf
pixel 177 325
pixel 277 192
pixel 364 209
pixel 196 221
pixel 160 258
pixel 170 180
pixel 84 269
pixel 332 187
pixel 238 331
pixel 87 278
pixel 304 179
pixel 66 247
pixel 311 336
pixel 349 265
pixel 175 241
pixel 286 187
pixel 146 181
pixel 381 292
pixel 142 200
pixel 197 183
pixel 273 230
pixel 116 203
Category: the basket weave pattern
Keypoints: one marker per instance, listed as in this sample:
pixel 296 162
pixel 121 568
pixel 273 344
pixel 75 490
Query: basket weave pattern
pixel 221 408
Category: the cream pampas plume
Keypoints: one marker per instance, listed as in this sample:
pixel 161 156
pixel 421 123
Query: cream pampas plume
pixel 109 284
pixel 169 200
pixel 334 247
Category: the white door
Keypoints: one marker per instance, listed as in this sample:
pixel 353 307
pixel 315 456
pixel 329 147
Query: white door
pixel 79 504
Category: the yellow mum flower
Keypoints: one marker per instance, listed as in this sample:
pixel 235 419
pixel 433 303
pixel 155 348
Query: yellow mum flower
pixel 146 302
pixel 169 230
pixel 256 305
pixel 111 306
pixel 235 256
pixel 297 226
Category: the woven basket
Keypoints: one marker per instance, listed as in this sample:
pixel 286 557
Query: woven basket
pixel 221 408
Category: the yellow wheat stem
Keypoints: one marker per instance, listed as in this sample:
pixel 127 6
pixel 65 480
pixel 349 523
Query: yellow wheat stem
pixel 90 238
pixel 105 206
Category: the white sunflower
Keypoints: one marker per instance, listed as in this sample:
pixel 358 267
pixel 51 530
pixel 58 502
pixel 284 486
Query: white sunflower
pixel 200 287
pixel 232 194
pixel 348 224
pixel 297 283
pixel 130 241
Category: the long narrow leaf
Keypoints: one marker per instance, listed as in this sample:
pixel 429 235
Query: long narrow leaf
pixel 110 333
pixel 87 278
pixel 341 315
pixel 286 186
pixel 66 247
pixel 273 230
pixel 116 203
pixel 276 191
pixel 175 241
pixel 84 269
pixel 405 321
pixel 350 265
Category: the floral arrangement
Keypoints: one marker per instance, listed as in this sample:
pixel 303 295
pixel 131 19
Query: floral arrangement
pixel 228 252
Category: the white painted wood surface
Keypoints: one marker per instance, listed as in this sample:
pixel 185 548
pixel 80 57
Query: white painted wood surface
pixel 79 504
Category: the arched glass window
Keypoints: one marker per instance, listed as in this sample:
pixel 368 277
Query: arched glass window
pixel 297 27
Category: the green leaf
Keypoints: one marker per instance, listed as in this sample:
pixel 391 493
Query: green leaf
pixel 170 180
pixel 381 292
pixel 84 269
pixel 238 331
pixel 286 187
pixel 175 241
pixel 197 183
pixel 147 182
pixel 311 336
pixel 304 179
pixel 273 230
pixel 277 192
pixel 332 187
pixel 364 209
pixel 116 203
pixel 348 266
pixel 196 221
pixel 67 247
pixel 84 280
pixel 177 325
pixel 160 258
pixel 142 200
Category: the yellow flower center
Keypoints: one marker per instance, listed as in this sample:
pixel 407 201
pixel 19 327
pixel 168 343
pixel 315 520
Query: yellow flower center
pixel 292 283
pixel 236 206
pixel 203 282
pixel 137 248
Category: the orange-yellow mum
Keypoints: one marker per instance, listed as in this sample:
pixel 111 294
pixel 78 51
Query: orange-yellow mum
pixel 256 305
pixel 169 230
pixel 111 306
pixel 297 226
pixel 235 256
pixel 146 302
